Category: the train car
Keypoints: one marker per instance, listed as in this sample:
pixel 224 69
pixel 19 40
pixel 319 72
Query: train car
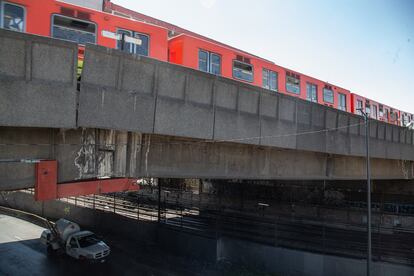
pixel 220 59
pixel 375 109
pixel 214 58
pixel 84 25
pixel 317 91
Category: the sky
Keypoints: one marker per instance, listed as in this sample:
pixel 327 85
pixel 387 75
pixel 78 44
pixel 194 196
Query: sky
pixel 365 46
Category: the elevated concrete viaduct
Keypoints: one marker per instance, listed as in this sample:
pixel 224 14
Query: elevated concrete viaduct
pixel 138 117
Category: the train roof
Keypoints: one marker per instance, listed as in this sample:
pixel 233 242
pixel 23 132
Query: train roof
pixel 255 57
pixel 103 13
pixel 176 30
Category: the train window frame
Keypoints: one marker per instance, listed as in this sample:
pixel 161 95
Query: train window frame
pixel 393 116
pixel 130 44
pixel 133 34
pixel 212 54
pixel 243 63
pixel 367 108
pixel 405 119
pixel 201 66
pixel 290 83
pixel 2 4
pixel 73 18
pixel 374 113
pixel 149 43
pixel 386 113
pixel 359 107
pixel 340 107
pixel 310 97
pixel 267 84
pixel 324 95
pixel 209 61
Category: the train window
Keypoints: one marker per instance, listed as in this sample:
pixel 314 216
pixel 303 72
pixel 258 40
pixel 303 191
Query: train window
pixel 13 17
pixel 142 49
pixel 381 111
pixel 72 29
pixel 328 95
pixel 374 112
pixel 209 62
pixel 215 64
pixel 393 116
pixel 242 71
pixel 292 83
pixel 122 44
pixel 311 92
pixel 133 48
pixel 203 60
pixel 367 108
pixel 385 117
pixel 269 79
pixel 406 119
pixel 359 107
pixel 342 102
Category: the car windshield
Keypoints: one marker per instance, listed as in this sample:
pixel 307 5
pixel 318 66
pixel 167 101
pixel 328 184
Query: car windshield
pixel 88 240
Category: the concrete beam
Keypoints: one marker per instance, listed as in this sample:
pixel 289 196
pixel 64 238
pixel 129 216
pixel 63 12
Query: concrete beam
pixel 90 153
pixel 175 157
pixel 37 81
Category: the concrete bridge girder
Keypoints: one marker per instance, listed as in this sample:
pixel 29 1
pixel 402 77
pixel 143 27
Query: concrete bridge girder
pixel 88 153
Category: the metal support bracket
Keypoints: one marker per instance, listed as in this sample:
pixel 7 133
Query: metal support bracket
pixel 47 188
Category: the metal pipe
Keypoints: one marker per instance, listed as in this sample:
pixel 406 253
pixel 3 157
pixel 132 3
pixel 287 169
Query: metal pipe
pixel 369 253
pixel 159 200
pixel 368 167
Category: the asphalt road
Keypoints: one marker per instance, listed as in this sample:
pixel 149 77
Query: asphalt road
pixel 21 253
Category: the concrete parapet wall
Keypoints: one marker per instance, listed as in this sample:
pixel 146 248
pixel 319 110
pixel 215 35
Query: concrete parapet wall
pixel 37 81
pixel 127 92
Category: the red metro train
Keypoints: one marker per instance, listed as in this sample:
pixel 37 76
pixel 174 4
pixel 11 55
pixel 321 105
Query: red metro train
pixel 105 23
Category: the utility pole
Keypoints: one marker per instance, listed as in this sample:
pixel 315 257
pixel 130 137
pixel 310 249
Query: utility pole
pixel 367 133
pixel 159 200
pixel 122 42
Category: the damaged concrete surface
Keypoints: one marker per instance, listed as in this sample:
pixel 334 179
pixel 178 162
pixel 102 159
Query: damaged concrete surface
pixel 91 153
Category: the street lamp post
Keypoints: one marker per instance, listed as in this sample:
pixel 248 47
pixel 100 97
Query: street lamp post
pixel 369 250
